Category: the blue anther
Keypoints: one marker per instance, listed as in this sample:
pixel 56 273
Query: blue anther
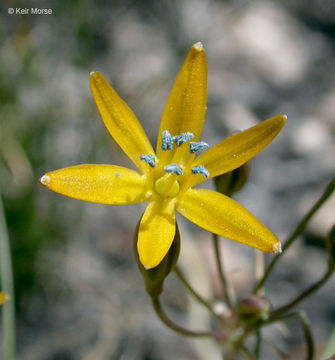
pixel 196 146
pixel 184 137
pixel 173 168
pixel 166 140
pixel 149 159
pixel 200 170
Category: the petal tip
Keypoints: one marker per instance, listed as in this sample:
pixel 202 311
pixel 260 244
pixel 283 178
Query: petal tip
pixel 277 248
pixel 282 118
pixel 198 46
pixel 94 74
pixel 147 267
pixel 44 180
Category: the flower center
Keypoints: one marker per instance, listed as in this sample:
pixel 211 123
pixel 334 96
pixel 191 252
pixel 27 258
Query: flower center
pixel 167 185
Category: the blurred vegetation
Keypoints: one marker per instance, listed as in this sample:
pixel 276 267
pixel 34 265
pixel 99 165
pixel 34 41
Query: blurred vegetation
pixel 33 113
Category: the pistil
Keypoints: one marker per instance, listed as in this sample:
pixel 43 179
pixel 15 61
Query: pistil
pixel 167 185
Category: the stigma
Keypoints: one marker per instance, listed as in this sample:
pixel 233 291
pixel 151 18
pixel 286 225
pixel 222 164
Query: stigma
pixel 167 185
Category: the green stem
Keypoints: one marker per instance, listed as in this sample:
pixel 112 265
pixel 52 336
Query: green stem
pixel 279 352
pixel 258 343
pixel 179 329
pixel 237 346
pixel 220 270
pixel 313 288
pixel 300 228
pixel 197 296
pixel 247 353
pixel 306 327
pixel 8 312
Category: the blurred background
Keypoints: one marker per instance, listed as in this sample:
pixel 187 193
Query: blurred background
pixel 79 294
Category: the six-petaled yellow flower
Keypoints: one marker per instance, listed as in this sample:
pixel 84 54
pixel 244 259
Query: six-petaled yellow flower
pixel 166 177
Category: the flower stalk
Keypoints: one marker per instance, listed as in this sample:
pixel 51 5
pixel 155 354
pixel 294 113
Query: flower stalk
pixel 179 329
pixel 299 229
pixel 306 327
pixel 305 294
pixel 193 292
pixel 222 276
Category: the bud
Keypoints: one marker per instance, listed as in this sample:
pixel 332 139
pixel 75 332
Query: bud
pixel 232 181
pixel 154 278
pixel 253 308
pixel 3 298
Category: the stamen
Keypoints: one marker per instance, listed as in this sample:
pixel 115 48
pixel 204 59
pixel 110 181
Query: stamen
pixel 182 138
pixel 196 146
pixel 166 140
pixel 173 168
pixel 200 170
pixel 149 159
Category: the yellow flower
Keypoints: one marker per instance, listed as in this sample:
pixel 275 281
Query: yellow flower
pixel 167 176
